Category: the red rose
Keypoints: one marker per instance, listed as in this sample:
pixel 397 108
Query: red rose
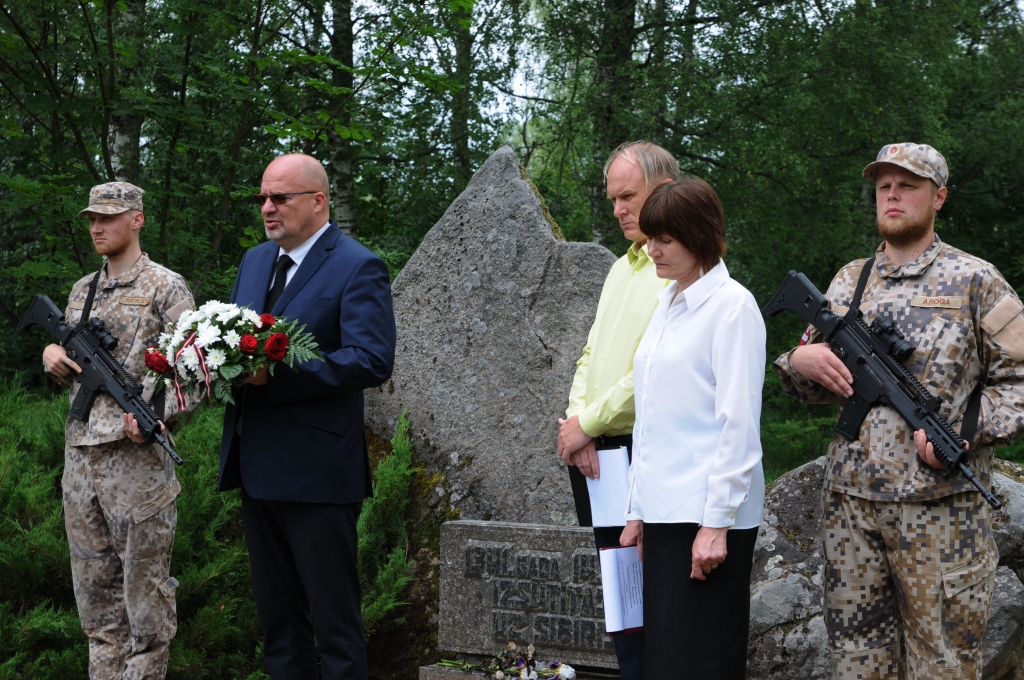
pixel 276 346
pixel 266 321
pixel 156 361
pixel 248 344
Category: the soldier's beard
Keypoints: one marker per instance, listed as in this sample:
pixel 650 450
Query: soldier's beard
pixel 115 245
pixel 903 231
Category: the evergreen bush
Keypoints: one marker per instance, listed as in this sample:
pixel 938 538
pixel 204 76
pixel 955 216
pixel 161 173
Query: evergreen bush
pixel 218 633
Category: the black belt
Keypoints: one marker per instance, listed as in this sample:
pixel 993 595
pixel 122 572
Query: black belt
pixel 618 441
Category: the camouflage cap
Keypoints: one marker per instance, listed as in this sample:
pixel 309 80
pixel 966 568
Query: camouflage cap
pixel 114 198
pixel 919 159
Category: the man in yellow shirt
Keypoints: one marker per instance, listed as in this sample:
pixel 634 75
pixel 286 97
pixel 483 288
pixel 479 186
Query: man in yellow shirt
pixel 600 413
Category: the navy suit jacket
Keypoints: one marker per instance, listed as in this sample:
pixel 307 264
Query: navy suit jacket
pixel 302 433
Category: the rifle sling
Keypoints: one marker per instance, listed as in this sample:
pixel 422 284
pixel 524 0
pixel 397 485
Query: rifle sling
pixel 865 274
pixel 972 415
pixel 969 424
pixel 92 293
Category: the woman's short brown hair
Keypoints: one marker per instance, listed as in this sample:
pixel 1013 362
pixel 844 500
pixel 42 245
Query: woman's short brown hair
pixel 687 210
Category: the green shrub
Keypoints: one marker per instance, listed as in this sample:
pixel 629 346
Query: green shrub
pixel 218 633
pixel 384 565
pixel 791 443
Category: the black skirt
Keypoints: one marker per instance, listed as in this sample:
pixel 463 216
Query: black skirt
pixel 695 630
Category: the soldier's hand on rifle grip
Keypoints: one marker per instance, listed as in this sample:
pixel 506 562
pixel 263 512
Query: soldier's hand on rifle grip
pixel 131 428
pixel 927 451
pixel 817 362
pixel 56 362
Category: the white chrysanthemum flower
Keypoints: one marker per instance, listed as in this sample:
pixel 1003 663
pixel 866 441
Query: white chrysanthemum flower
pixel 215 358
pixel 231 338
pixel 189 360
pixel 184 320
pixel 174 343
pixel 228 313
pixel 207 334
pixel 250 316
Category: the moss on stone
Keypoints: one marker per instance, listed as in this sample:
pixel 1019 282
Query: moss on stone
pixel 556 231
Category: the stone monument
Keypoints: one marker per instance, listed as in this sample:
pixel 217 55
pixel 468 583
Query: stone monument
pixel 523 582
pixel 493 310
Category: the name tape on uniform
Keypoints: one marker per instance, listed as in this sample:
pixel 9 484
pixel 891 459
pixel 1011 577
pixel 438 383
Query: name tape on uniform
pixel 76 304
pixel 954 302
pixel 128 300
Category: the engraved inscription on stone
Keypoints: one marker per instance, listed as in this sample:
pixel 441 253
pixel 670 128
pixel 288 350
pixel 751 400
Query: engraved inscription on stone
pixel 528 583
pixel 541 596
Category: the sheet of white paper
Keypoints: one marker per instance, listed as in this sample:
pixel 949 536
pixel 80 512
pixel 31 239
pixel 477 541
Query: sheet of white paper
pixel 609 493
pixel 622 586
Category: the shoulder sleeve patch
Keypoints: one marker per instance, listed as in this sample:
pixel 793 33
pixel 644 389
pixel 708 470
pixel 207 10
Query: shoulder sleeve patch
pixel 1001 314
pixel 1006 326
pixel 175 311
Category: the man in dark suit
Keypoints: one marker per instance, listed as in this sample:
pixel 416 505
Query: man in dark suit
pixel 294 443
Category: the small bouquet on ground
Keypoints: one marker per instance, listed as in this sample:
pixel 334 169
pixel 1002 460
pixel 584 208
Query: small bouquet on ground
pixel 515 663
pixel 218 345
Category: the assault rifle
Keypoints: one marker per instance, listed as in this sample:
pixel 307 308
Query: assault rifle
pixel 89 345
pixel 874 356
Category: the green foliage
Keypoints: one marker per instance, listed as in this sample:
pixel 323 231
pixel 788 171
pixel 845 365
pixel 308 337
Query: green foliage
pixel 791 443
pixel 218 632
pixel 385 569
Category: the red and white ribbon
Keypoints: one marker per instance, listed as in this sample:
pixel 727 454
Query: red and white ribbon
pixel 178 392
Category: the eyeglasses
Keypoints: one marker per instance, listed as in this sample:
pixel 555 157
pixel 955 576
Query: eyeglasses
pixel 278 199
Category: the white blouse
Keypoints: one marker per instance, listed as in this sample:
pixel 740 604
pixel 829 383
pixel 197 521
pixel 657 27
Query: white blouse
pixel 698 374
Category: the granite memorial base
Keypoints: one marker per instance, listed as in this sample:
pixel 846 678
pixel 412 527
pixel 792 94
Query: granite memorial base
pixel 528 583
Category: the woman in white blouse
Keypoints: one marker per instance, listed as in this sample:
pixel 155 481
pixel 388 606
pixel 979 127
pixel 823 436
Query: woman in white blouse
pixel 696 483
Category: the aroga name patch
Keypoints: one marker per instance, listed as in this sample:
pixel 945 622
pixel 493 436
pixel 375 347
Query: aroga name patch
pixel 946 302
pixel 128 300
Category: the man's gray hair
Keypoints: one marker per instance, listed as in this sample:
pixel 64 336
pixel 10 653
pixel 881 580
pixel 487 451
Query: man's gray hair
pixel 656 163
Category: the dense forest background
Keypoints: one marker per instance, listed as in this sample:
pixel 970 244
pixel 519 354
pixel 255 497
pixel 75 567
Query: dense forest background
pixel 777 103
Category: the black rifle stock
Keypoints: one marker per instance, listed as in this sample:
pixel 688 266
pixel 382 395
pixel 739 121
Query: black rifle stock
pixel 878 376
pixel 89 346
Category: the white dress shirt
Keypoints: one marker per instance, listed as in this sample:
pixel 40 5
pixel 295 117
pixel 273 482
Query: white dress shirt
pixel 297 254
pixel 698 374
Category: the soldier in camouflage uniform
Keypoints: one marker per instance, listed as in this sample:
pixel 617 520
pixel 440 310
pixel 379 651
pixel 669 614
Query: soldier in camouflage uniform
pixel 910 558
pixel 119 495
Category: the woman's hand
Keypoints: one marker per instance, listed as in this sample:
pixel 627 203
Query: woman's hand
pixel 633 534
pixel 708 551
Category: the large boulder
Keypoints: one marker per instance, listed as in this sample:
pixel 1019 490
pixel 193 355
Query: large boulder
pixel 493 310
pixel 787 628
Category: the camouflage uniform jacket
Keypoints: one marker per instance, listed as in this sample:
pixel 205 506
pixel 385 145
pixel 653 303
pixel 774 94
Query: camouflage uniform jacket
pixel 966 324
pixel 136 307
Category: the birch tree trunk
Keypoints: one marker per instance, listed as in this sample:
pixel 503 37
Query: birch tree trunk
pixel 462 97
pixel 124 133
pixel 343 192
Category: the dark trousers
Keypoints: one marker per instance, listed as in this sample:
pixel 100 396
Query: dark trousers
pixel 629 647
pixel 302 553
pixel 695 629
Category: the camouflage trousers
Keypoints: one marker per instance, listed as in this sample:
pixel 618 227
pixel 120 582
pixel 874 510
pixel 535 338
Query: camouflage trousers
pixel 120 516
pixel 907 586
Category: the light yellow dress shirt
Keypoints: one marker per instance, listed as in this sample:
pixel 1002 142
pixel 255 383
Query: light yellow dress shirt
pixel 602 389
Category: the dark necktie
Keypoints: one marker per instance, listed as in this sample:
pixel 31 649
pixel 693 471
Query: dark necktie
pixel 284 263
